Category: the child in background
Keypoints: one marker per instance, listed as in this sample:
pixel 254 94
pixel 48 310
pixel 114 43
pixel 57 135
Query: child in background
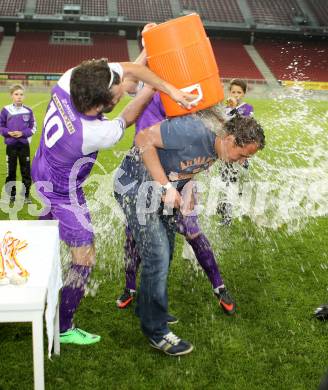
pixel 17 125
pixel 235 106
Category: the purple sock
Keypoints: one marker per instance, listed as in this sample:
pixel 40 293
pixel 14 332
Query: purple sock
pixel 206 259
pixel 132 261
pixel 72 294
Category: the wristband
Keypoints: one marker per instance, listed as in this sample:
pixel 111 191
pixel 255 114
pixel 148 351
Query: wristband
pixel 167 186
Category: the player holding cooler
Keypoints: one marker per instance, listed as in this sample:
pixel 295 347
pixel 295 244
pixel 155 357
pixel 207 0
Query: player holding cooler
pixel 75 129
pixel 17 125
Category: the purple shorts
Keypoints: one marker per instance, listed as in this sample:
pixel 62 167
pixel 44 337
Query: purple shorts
pixel 74 219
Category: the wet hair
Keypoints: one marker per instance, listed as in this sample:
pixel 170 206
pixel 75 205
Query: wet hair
pixel 240 83
pixel 246 130
pixel 89 84
pixel 16 87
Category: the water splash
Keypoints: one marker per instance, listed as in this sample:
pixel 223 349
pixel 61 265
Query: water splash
pixel 287 183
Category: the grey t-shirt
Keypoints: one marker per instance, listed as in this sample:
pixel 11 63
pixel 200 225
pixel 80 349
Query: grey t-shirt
pixel 188 148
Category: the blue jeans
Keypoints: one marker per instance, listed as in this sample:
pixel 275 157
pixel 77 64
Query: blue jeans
pixel 155 244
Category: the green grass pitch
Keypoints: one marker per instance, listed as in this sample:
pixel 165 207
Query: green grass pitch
pixel 277 274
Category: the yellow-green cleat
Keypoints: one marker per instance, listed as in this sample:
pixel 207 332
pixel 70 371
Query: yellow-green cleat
pixel 79 337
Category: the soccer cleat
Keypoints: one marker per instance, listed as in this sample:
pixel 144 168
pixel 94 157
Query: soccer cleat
pixel 125 299
pixel 171 345
pixel 226 301
pixel 78 336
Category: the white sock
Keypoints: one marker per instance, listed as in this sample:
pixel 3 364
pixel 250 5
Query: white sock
pixel 216 290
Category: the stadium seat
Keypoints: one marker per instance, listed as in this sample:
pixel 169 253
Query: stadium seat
pixel 12 7
pixel 32 52
pixel 88 7
pixel 233 60
pixel 215 10
pixel 291 60
pixel 320 9
pixel 147 11
pixel 278 12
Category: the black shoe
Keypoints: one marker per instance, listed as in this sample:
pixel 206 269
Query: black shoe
pixel 321 313
pixel 171 320
pixel 125 299
pixel 226 301
pixel 172 345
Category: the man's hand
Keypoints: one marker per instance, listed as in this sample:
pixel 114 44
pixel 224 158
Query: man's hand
pixel 182 98
pixel 172 199
pixel 148 26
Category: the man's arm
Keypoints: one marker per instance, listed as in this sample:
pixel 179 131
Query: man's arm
pixel 131 83
pixel 141 72
pixel 148 140
pixel 137 105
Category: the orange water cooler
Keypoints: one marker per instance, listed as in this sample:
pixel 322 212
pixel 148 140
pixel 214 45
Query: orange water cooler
pixel 180 52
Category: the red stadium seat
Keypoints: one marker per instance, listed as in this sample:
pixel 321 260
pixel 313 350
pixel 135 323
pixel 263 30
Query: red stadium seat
pixel 32 52
pixel 233 60
pixel 307 61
